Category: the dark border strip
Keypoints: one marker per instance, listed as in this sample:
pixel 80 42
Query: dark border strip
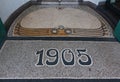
pixel 63 38
pixel 61 80
pixel 109 18
pixel 2 42
pixel 90 4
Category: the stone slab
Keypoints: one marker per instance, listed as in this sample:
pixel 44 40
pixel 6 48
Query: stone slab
pixel 18 60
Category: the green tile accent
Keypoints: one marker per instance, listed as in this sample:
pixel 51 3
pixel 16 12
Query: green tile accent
pixel 117 31
pixel 2 31
pixel 112 1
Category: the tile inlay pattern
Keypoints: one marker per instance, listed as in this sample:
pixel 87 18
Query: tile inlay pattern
pixel 78 21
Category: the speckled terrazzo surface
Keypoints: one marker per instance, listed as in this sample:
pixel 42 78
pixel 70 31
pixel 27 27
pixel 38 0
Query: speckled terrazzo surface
pixel 18 60
pixel 53 17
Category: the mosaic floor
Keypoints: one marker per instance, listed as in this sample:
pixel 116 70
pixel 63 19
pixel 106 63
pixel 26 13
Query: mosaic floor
pixel 67 21
pixel 25 56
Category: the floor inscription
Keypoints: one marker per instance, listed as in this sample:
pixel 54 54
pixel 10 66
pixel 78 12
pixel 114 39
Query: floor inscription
pixel 67 57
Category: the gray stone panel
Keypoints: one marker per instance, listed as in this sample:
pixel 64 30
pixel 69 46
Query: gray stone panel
pixel 18 59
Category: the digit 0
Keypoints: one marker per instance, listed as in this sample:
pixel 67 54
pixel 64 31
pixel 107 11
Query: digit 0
pixel 68 52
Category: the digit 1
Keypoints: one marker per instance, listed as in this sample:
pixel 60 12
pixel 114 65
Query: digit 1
pixel 40 58
pixel 68 51
pixel 82 52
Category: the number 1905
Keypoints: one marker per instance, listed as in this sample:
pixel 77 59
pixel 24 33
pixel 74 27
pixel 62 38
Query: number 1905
pixel 66 56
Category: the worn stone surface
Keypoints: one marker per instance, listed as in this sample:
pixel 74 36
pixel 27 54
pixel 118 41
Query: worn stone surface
pixel 53 17
pixel 18 59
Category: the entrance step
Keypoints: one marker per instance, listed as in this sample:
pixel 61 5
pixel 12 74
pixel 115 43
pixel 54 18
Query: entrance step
pixel 36 59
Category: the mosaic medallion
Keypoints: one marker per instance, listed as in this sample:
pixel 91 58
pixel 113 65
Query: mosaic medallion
pixel 81 21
